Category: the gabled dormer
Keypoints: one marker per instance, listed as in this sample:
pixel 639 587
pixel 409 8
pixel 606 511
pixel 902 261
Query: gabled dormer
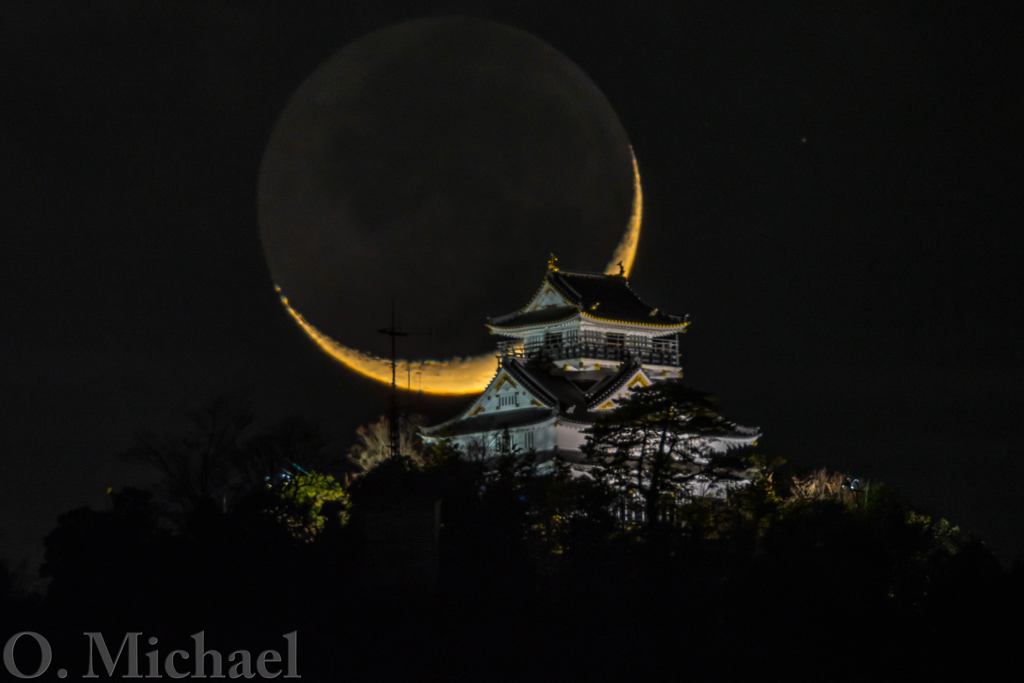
pixel 507 393
pixel 547 297
pixel 630 378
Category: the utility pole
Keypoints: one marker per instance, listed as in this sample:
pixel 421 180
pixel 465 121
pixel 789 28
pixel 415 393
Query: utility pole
pixel 394 433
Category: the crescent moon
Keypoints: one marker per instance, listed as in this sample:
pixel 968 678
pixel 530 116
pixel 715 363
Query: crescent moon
pixel 458 376
pixel 625 253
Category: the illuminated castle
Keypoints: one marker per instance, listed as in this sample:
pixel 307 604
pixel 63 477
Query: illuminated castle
pixel 583 341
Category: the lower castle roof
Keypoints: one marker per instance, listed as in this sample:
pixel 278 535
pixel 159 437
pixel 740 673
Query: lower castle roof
pixel 489 422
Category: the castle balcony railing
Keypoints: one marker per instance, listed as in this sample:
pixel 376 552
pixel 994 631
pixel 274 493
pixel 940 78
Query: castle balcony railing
pixel 596 345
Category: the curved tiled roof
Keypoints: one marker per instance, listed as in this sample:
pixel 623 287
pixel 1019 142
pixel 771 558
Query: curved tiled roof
pixel 595 295
pixel 505 419
pixel 551 314
pixel 564 394
pixel 607 296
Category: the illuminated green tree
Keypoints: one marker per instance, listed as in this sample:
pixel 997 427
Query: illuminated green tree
pixel 308 502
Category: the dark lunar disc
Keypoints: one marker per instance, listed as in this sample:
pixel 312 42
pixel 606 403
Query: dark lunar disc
pixel 438 162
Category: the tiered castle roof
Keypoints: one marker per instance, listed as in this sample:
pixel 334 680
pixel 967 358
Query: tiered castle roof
pixel 598 297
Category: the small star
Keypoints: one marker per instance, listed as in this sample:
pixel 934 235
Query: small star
pixel 803 140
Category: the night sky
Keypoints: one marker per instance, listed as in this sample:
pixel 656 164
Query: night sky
pixel 832 193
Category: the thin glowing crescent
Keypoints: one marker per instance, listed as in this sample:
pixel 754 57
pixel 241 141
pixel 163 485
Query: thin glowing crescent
pixel 456 376
pixel 451 377
pixel 625 253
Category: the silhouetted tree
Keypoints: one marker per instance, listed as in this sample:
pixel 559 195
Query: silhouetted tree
pixel 223 455
pixel 461 565
pixel 109 560
pixel 290 445
pixel 654 444
pixel 197 467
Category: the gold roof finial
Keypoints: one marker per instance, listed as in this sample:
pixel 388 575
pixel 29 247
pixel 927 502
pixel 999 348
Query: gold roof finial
pixel 553 263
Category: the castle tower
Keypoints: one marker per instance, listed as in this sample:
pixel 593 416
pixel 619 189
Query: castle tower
pixel 581 342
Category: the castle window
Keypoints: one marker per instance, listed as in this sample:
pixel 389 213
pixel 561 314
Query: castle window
pixel 508 400
pixel 528 440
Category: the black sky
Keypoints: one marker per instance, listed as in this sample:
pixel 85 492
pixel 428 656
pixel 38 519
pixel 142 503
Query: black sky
pixel 832 192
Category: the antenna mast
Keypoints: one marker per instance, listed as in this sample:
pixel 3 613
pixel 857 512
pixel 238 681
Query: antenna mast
pixel 394 433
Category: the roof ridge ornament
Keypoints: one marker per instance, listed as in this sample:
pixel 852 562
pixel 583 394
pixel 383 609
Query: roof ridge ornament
pixel 552 263
pixel 622 269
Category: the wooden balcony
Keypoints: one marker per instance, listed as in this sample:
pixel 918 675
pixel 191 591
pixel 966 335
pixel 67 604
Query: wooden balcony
pixel 595 345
